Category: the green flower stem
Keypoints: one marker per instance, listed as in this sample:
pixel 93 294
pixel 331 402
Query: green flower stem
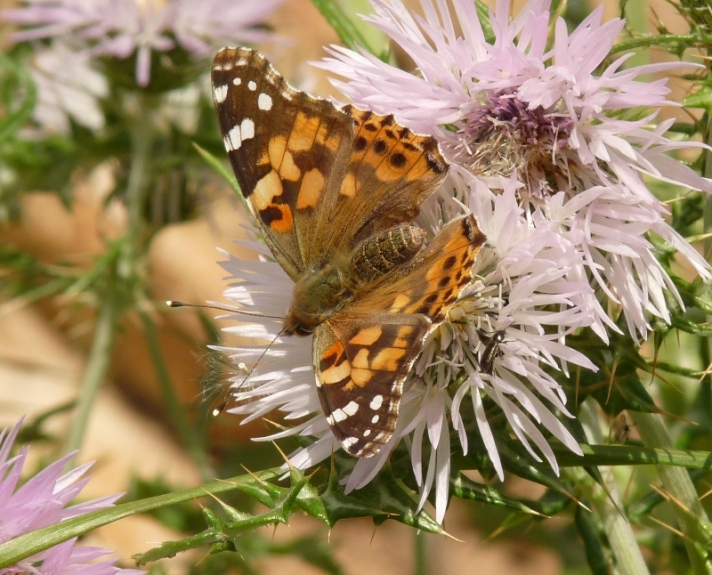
pixel 638 19
pixel 28 544
pixel 653 41
pixel 350 30
pixel 94 376
pixel 193 441
pixel 605 501
pixel 143 135
pixel 112 281
pixel 691 516
pixel 421 552
pixel 707 225
pixel 607 504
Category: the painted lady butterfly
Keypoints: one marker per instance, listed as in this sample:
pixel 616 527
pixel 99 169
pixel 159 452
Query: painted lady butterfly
pixel 334 192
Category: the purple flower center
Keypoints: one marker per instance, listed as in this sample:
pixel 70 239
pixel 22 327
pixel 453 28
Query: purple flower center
pixel 505 135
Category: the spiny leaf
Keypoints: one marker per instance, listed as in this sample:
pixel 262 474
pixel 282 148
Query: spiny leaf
pixel 383 498
pixel 631 455
pixel 307 498
pixel 464 488
pixel 592 535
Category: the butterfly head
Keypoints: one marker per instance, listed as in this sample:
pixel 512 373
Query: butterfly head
pixel 317 294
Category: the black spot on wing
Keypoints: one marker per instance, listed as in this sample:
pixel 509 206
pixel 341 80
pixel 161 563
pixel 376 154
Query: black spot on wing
pixel 398 160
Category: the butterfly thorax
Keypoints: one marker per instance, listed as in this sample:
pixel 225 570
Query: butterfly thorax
pixel 324 289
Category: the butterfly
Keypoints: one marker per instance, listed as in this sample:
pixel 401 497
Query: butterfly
pixel 334 192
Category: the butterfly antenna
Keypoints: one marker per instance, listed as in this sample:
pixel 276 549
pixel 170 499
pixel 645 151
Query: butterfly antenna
pixel 223 404
pixel 175 303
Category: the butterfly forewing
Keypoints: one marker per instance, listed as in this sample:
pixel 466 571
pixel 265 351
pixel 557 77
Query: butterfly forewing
pixel 283 146
pixel 433 279
pixel 306 163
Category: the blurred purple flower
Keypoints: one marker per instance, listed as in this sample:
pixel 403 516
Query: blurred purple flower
pixel 68 87
pixel 121 28
pixel 42 501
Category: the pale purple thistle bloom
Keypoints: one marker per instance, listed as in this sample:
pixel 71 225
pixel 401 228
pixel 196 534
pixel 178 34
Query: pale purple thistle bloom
pixel 42 501
pixel 546 173
pixel 536 268
pixel 515 107
pixel 121 28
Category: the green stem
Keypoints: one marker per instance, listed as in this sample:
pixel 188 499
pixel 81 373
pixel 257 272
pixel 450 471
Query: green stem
pixel 421 553
pixel 143 136
pixel 94 376
pixel 192 440
pixel 340 17
pixel 606 503
pixel 691 517
pixel 109 277
pixel 707 244
pixel 637 19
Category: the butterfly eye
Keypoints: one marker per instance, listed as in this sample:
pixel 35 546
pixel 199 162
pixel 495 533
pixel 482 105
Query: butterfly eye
pixel 301 330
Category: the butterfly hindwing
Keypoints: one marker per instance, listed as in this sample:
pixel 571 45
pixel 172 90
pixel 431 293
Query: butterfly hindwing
pixel 360 364
pixel 362 354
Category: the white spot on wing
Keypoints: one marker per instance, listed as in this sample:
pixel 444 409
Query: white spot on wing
pixel 247 129
pixel 264 102
pixel 220 93
pixel 380 436
pixel 366 432
pixel 232 139
pixel 375 419
pixel 237 81
pixel 348 442
pixel 376 403
pixel 251 85
pixel 343 413
pixel 338 416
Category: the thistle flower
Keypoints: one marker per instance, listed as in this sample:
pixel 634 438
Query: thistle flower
pixel 536 269
pixel 42 501
pixel 552 174
pixel 123 28
pixel 514 105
